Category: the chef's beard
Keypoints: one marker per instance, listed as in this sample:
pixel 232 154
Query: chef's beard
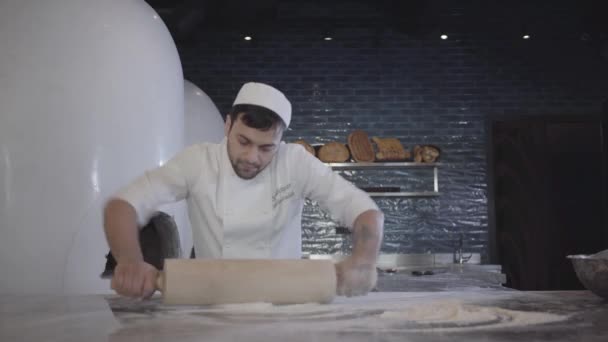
pixel 240 167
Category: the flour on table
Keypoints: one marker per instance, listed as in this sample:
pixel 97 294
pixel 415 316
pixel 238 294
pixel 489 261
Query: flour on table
pixel 399 312
pixel 454 315
pixel 440 315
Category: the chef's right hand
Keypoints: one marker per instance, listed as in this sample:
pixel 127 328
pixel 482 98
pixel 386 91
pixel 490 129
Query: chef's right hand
pixel 135 279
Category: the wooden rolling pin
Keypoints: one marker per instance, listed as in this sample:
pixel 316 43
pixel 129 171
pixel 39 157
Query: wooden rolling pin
pixel 208 282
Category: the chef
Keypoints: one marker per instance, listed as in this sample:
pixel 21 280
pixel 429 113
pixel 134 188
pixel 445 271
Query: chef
pixel 245 197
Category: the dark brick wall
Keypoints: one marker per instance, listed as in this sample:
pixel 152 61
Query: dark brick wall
pixel 418 89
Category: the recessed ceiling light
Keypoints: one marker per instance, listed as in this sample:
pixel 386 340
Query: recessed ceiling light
pixel 444 36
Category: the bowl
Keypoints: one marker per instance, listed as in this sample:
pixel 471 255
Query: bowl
pixel 592 271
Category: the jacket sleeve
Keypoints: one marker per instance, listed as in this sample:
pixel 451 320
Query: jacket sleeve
pixel 343 200
pixel 166 184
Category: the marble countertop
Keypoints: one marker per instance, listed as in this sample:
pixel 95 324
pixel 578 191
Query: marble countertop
pixel 471 315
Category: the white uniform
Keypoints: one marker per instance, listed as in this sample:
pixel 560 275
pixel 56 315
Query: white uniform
pixel 236 218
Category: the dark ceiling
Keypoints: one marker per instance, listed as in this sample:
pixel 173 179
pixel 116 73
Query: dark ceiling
pixel 582 19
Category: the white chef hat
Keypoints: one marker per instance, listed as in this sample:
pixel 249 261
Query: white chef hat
pixel 263 95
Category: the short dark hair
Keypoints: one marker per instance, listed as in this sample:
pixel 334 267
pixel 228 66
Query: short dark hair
pixel 255 117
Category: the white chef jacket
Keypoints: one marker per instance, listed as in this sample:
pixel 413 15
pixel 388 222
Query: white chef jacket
pixel 236 218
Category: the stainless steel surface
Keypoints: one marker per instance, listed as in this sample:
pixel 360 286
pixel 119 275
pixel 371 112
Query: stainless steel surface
pixel 448 258
pixel 400 165
pixel 401 260
pixel 387 260
pixel 592 271
pixel 396 272
pixel 459 255
pixel 405 194
pixel 436 180
pixel 416 224
pixel 396 260
pixel 440 278
pixel 378 166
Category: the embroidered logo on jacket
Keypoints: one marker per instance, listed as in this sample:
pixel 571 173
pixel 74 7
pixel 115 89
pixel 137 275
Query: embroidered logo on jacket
pixel 281 194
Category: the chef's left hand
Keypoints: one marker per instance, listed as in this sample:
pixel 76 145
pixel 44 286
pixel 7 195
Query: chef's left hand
pixel 355 278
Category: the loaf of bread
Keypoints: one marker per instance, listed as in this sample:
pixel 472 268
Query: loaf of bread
pixel 360 146
pixel 430 154
pixel 426 154
pixel 390 149
pixel 333 152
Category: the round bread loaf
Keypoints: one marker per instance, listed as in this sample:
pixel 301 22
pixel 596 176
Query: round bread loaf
pixel 334 152
pixel 360 146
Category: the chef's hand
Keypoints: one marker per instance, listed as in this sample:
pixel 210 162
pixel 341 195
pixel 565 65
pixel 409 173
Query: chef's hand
pixel 135 279
pixel 355 278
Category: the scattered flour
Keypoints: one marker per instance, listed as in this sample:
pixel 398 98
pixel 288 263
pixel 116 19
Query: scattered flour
pixel 409 314
pixel 454 315
pixel 439 315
